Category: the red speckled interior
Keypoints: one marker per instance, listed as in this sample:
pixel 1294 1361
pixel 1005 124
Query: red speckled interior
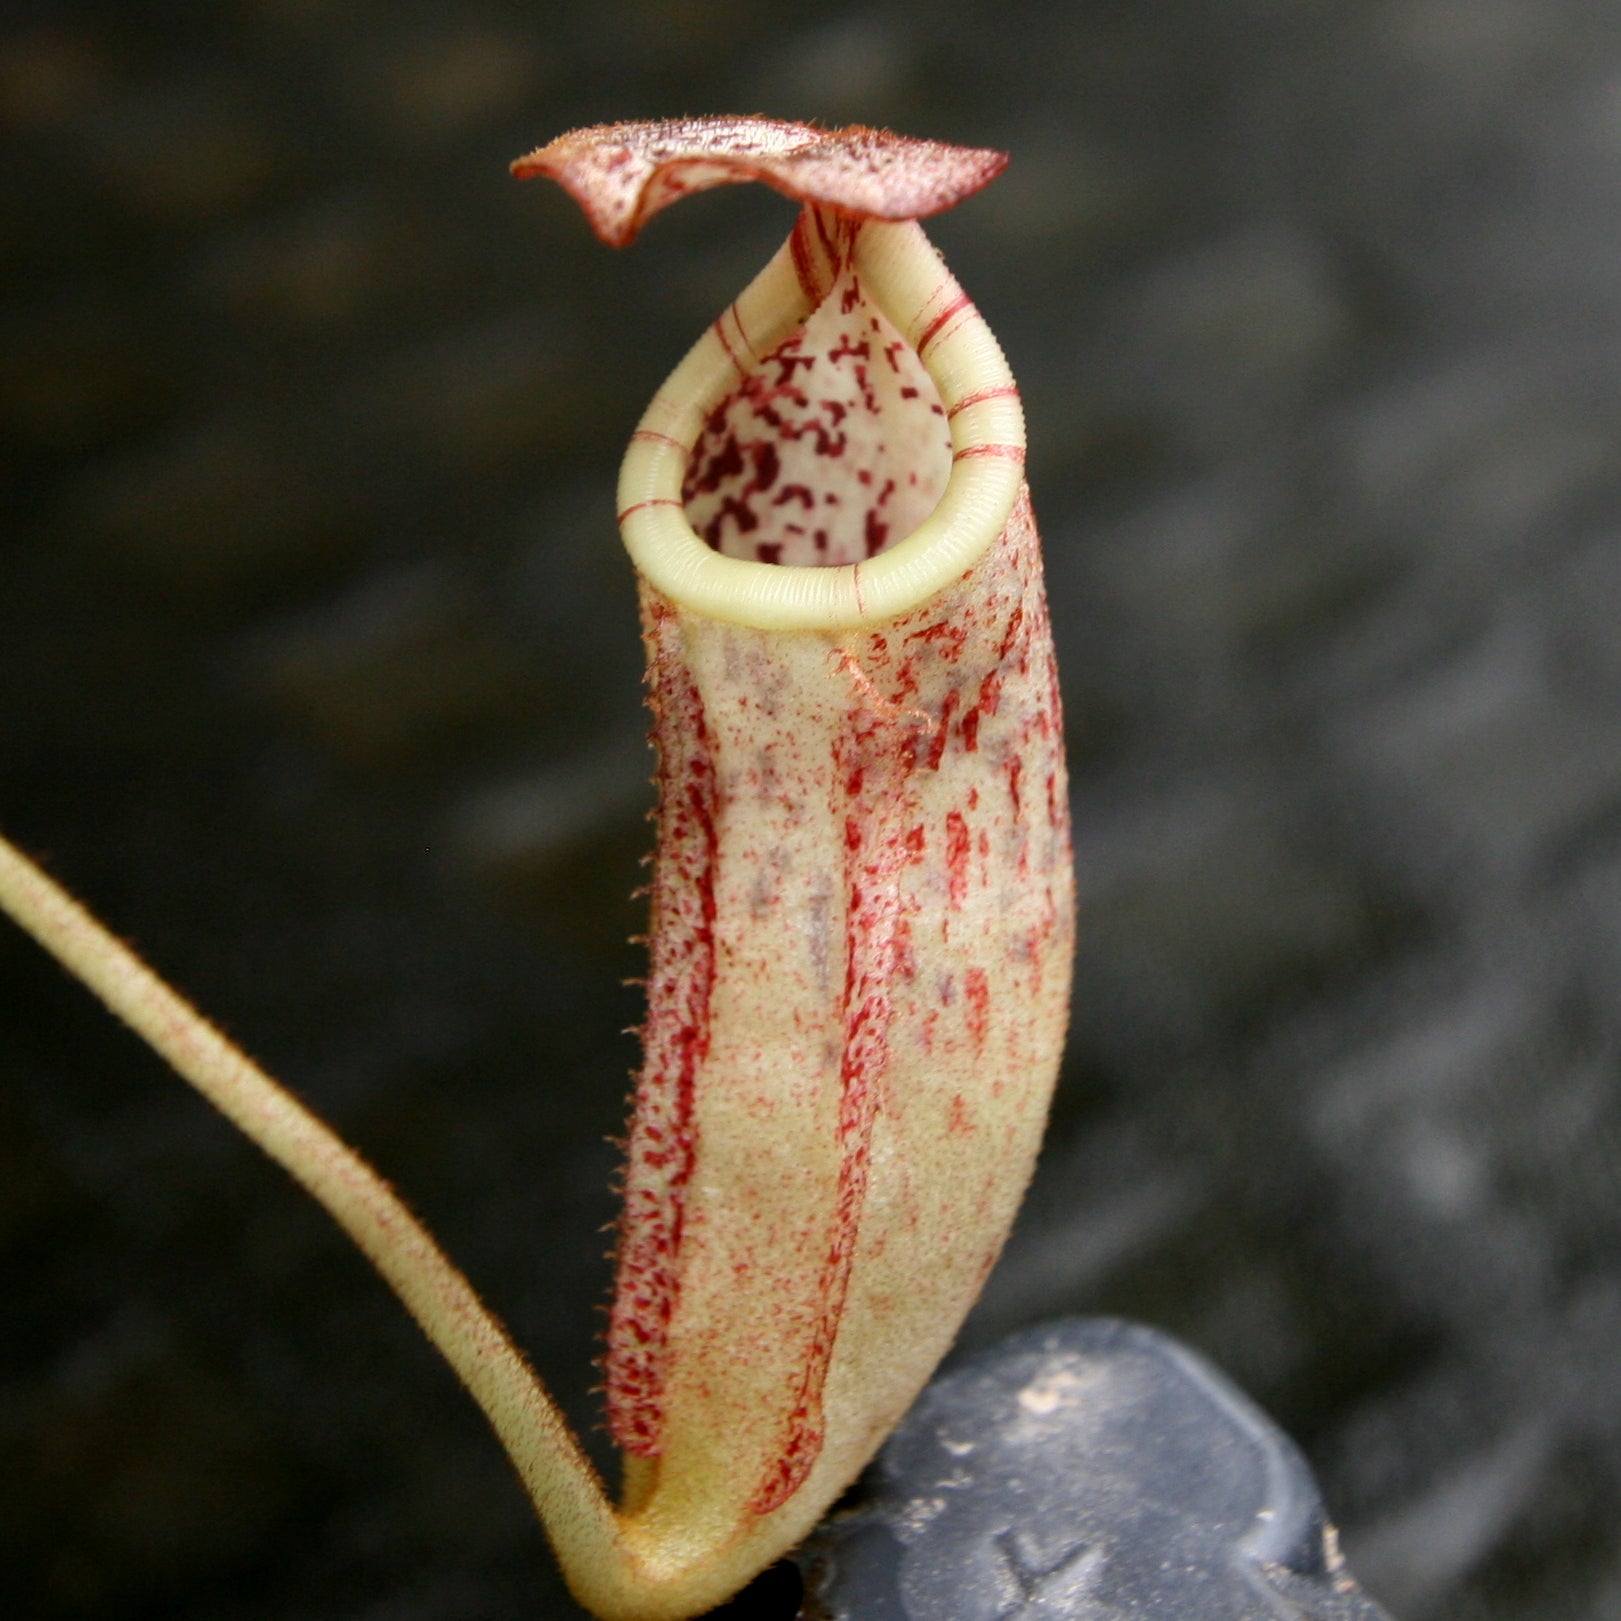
pixel 833 447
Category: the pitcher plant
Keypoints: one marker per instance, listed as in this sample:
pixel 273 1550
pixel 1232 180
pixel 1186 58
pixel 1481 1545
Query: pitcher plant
pixel 861 912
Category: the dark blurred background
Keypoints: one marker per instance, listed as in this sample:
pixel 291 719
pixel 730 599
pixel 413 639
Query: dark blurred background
pixel 319 680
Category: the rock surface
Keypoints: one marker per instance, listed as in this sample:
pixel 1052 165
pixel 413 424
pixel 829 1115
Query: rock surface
pixel 1088 1470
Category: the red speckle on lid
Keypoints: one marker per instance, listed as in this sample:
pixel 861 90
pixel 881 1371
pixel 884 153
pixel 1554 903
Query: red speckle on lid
pixel 622 174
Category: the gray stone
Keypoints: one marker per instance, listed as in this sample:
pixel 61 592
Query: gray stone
pixel 1087 1471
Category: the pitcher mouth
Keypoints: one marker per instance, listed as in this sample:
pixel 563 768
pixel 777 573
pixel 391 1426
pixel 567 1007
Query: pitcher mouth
pixel 903 276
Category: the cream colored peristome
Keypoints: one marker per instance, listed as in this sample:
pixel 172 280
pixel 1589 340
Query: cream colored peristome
pixel 909 282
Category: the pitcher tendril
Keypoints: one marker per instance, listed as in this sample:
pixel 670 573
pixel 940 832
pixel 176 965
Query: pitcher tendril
pixel 862 911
